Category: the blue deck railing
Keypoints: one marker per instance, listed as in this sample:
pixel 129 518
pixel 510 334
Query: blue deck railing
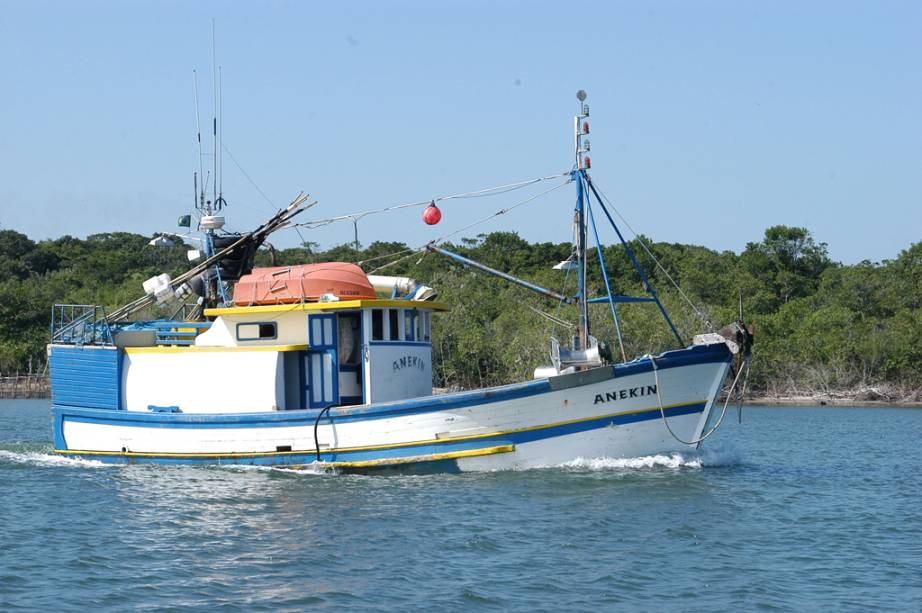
pixel 86 324
pixel 80 324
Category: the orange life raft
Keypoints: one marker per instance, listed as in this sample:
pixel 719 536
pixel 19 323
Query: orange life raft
pixel 302 283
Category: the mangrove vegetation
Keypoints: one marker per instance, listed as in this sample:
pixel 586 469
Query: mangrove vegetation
pixel 820 325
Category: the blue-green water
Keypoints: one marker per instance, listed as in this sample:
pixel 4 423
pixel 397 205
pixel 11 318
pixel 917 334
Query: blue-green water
pixel 795 509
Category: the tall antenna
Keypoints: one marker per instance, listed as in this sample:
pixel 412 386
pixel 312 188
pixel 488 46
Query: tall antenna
pixel 198 133
pixel 220 140
pixel 214 119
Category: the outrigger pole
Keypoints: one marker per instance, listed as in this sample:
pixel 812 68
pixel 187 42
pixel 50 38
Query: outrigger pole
pixel 502 275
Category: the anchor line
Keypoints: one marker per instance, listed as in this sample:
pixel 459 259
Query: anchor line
pixel 662 410
pixel 316 424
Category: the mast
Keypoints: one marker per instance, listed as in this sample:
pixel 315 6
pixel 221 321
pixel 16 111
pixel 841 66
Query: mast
pixel 580 129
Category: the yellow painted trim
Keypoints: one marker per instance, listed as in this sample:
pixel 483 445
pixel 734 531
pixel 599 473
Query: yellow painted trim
pixel 328 306
pixel 194 349
pixel 470 437
pixel 454 439
pixel 432 457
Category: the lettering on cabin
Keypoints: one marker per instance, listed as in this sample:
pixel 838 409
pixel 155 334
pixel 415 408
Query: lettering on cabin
pixel 409 361
pixel 626 393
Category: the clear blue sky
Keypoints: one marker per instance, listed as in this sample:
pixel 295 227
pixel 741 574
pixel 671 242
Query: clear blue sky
pixel 710 120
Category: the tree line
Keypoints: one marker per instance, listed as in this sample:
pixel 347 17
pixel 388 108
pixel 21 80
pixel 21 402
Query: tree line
pixel 820 325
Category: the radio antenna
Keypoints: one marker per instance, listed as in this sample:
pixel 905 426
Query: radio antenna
pixel 214 119
pixel 220 141
pixel 198 133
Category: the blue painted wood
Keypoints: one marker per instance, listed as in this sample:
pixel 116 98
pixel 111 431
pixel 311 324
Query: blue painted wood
pixel 322 345
pixel 87 377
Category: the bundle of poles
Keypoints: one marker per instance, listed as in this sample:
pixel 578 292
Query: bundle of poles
pixel 277 222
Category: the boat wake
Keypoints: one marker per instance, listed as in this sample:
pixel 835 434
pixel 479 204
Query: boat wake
pixel 39 458
pixel 698 459
pixel 307 469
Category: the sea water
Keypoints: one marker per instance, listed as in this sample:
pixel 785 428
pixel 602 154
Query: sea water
pixel 794 509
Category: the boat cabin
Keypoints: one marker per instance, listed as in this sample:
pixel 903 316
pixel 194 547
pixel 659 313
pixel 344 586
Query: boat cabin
pixel 269 357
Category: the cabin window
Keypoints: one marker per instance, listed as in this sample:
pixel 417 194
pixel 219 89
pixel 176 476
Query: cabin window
pixel 408 324
pixel 377 325
pixel 256 331
pixel 418 319
pixel 427 323
pixel 395 324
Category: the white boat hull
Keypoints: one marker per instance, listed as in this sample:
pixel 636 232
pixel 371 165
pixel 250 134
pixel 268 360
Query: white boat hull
pixel 604 412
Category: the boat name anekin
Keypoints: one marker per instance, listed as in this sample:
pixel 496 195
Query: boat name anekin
pixel 628 392
pixel 410 361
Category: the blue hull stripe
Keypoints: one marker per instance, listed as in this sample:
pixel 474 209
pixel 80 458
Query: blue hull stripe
pixel 429 404
pixel 426 448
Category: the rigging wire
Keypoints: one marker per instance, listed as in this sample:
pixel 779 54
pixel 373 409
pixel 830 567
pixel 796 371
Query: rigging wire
pixel 248 178
pixel 643 244
pixel 489 191
pixel 389 264
pixel 386 255
pixel 551 318
pixel 467 227
pixel 500 212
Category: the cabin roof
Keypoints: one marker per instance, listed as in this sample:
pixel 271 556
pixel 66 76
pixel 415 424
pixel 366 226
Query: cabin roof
pixel 329 306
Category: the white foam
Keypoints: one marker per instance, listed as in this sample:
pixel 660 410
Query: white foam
pixel 48 459
pixel 700 459
pixel 302 469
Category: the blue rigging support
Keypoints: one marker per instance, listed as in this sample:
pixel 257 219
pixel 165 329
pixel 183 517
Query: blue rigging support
pixel 637 267
pixel 611 300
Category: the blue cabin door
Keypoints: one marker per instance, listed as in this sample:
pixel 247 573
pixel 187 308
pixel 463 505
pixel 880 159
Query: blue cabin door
pixel 321 364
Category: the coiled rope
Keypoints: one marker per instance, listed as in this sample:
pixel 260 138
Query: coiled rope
pixel 662 409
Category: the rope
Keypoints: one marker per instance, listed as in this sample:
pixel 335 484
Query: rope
pixel 688 300
pixel 398 260
pixel 252 182
pixel 498 213
pixel 550 317
pixel 662 409
pixel 742 395
pixel 386 255
pixel 317 423
pixel 489 191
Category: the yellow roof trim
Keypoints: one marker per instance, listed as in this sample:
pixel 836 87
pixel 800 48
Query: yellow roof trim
pixel 194 349
pixel 328 306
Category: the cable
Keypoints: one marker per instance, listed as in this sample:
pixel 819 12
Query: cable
pixel 688 300
pixel 386 255
pixel 499 212
pixel 252 182
pixel 317 423
pixel 489 191
pixel 662 409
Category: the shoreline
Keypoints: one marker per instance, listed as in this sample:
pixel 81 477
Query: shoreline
pixel 838 400
pixel 32 387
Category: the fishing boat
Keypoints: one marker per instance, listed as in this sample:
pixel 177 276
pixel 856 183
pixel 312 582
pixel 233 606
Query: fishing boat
pixel 326 366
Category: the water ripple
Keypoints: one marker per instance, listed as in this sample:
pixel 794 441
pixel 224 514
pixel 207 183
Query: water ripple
pixel 793 515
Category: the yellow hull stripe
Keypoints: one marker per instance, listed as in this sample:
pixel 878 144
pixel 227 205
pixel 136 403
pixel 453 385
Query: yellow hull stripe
pixel 194 349
pixel 434 441
pixel 432 457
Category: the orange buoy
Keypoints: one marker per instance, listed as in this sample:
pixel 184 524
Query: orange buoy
pixel 432 215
